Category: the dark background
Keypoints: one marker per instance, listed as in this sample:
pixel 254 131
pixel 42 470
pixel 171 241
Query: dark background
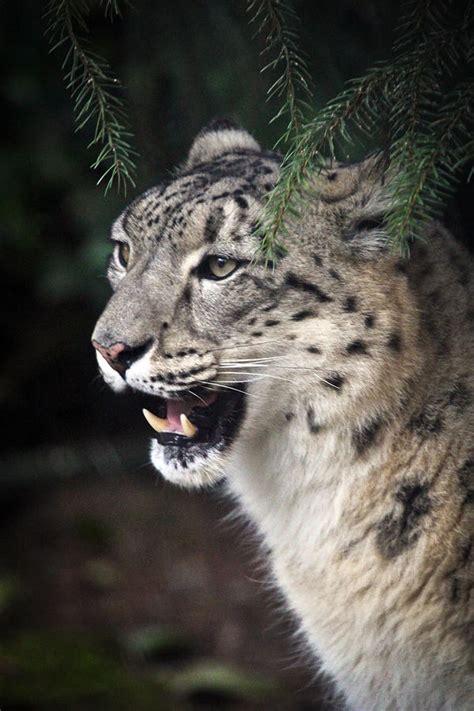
pixel 116 589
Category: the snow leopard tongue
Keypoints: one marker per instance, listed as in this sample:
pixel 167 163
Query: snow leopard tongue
pixel 174 410
pixel 177 415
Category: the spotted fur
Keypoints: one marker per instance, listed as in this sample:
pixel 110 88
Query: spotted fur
pixel 354 455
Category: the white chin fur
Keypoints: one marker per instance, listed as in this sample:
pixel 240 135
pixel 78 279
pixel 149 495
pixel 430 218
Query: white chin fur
pixel 202 472
pixel 111 377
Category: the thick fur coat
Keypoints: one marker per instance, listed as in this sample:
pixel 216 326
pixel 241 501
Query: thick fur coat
pixel 352 448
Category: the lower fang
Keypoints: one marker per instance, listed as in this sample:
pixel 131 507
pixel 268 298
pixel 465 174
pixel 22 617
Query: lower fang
pixel 188 428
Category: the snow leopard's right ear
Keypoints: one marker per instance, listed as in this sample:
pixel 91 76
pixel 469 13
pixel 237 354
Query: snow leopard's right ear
pixel 220 136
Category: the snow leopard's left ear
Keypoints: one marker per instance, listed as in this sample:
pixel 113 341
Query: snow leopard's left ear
pixel 366 234
pixel 363 189
pixel 220 136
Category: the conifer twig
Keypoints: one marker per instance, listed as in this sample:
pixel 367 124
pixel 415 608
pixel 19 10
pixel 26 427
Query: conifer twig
pixel 426 134
pixel 93 89
pixel 276 20
pixel 433 174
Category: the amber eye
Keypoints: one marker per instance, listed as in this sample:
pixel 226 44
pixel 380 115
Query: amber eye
pixel 217 267
pixel 122 254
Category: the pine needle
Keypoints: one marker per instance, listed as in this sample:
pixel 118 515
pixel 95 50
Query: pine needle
pixel 94 91
pixel 427 131
pixel 276 21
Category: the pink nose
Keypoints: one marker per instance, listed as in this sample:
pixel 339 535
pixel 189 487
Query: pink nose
pixel 111 355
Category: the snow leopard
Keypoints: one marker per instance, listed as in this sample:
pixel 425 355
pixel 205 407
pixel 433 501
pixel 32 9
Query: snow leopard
pixel 330 390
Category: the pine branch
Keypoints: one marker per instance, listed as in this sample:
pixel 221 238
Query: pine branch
pixel 406 95
pixel 93 89
pixel 434 170
pixel 276 20
pixel 111 8
pixel 315 146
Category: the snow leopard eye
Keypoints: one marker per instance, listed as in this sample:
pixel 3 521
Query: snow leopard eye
pixel 217 267
pixel 122 254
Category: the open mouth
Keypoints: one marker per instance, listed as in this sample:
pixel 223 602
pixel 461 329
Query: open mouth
pixel 205 418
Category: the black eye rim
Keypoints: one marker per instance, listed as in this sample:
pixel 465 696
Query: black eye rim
pixel 203 271
pixel 118 250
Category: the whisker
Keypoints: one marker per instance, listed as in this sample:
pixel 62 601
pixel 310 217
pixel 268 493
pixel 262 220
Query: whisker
pixel 263 375
pixel 265 365
pixel 243 345
pixel 198 397
pixel 227 387
pixel 256 360
pixel 240 380
pixel 268 375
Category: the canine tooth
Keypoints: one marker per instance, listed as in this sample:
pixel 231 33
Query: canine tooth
pixel 157 423
pixel 188 428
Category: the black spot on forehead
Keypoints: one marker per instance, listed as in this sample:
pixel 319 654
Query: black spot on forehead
pixel 241 202
pixel 213 224
pixel 220 196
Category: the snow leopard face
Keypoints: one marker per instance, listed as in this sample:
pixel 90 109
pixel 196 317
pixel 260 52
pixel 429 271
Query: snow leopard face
pixel 227 350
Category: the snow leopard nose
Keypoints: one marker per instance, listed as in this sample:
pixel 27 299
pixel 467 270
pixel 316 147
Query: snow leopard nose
pixel 120 356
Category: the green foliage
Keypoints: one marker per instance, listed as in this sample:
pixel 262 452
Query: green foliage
pixel 409 105
pixel 50 671
pixel 213 679
pixel 276 22
pixel 94 90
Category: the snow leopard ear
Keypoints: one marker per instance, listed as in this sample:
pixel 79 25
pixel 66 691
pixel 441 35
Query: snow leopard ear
pixel 220 136
pixel 365 232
